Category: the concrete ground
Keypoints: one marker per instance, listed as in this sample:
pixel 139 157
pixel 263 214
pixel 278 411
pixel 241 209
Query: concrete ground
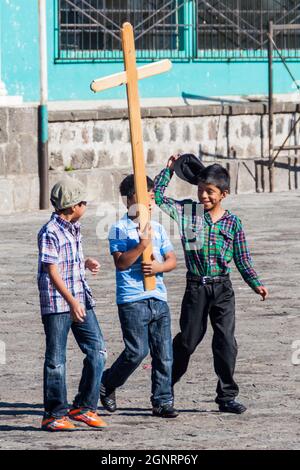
pixel 268 380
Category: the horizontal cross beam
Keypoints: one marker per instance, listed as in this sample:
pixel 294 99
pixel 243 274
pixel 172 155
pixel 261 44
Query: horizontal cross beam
pixel 120 78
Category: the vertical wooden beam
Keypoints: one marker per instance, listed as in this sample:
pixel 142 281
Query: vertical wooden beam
pixel 136 133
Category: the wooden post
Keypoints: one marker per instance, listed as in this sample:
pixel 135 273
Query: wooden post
pixel 135 122
pixel 130 77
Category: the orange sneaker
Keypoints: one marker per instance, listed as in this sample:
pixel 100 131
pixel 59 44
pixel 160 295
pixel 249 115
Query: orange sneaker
pixel 91 418
pixel 58 424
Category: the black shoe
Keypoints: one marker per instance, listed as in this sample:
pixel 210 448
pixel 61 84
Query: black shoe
pixel 165 411
pixel 232 406
pixel 108 399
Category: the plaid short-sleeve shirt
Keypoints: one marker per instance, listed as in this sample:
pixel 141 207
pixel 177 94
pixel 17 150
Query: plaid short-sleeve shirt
pixel 59 242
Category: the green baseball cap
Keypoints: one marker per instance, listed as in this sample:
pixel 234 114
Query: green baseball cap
pixel 67 193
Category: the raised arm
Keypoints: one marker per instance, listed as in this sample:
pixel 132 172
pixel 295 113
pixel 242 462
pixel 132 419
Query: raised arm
pixel 167 204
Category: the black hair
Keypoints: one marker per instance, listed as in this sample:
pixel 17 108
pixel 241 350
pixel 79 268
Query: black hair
pixel 127 186
pixel 217 175
pixel 66 210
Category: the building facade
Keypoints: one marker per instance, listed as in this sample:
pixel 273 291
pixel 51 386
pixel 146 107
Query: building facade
pixel 217 47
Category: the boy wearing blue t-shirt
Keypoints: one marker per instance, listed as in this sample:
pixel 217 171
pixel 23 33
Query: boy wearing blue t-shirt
pixel 144 315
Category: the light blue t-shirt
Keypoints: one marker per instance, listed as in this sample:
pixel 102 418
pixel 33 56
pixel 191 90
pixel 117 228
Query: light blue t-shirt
pixel 123 236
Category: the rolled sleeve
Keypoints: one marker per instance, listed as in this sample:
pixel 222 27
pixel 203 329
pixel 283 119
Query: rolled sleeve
pixel 49 248
pixel 117 240
pixel 166 245
pixel 167 204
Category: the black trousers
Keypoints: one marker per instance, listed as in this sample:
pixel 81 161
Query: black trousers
pixel 216 301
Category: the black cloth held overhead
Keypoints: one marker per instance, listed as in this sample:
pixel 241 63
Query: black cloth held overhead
pixel 188 167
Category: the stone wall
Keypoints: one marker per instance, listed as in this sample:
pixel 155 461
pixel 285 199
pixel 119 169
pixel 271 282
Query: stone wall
pixel 94 145
pixel 19 184
pixel 233 135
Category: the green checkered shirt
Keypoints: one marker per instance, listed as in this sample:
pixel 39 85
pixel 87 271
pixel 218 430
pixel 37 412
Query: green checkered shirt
pixel 208 246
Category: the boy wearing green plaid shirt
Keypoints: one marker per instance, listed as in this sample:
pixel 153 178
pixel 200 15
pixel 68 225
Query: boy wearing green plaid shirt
pixel 211 237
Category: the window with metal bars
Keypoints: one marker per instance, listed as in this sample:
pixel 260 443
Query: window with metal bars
pixel 89 30
pixel 238 28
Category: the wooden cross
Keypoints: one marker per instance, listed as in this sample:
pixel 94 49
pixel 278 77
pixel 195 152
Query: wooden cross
pixel 130 77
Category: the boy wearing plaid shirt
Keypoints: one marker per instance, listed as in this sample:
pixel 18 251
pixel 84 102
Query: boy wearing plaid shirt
pixel 66 303
pixel 211 237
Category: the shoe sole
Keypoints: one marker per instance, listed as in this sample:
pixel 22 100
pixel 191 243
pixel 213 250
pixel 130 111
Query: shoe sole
pixel 59 430
pixel 91 426
pixel 87 424
pixel 166 417
pixel 233 412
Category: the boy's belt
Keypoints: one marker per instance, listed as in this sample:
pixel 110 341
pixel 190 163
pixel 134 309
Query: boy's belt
pixel 207 279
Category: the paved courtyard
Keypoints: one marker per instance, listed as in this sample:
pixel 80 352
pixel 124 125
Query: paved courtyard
pixel 269 381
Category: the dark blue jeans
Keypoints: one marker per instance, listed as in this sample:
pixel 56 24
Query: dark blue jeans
pixel 90 340
pixel 145 324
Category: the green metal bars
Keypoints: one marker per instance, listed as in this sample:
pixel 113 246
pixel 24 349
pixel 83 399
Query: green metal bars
pixel 181 30
pixel 89 30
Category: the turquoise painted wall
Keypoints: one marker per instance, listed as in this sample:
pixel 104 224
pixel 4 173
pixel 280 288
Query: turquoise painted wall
pixel 20 67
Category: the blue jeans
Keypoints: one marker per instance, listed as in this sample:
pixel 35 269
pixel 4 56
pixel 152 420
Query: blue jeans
pixel 90 340
pixel 145 324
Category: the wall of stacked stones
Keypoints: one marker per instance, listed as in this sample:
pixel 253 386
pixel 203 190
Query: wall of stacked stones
pixel 19 184
pixel 94 145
